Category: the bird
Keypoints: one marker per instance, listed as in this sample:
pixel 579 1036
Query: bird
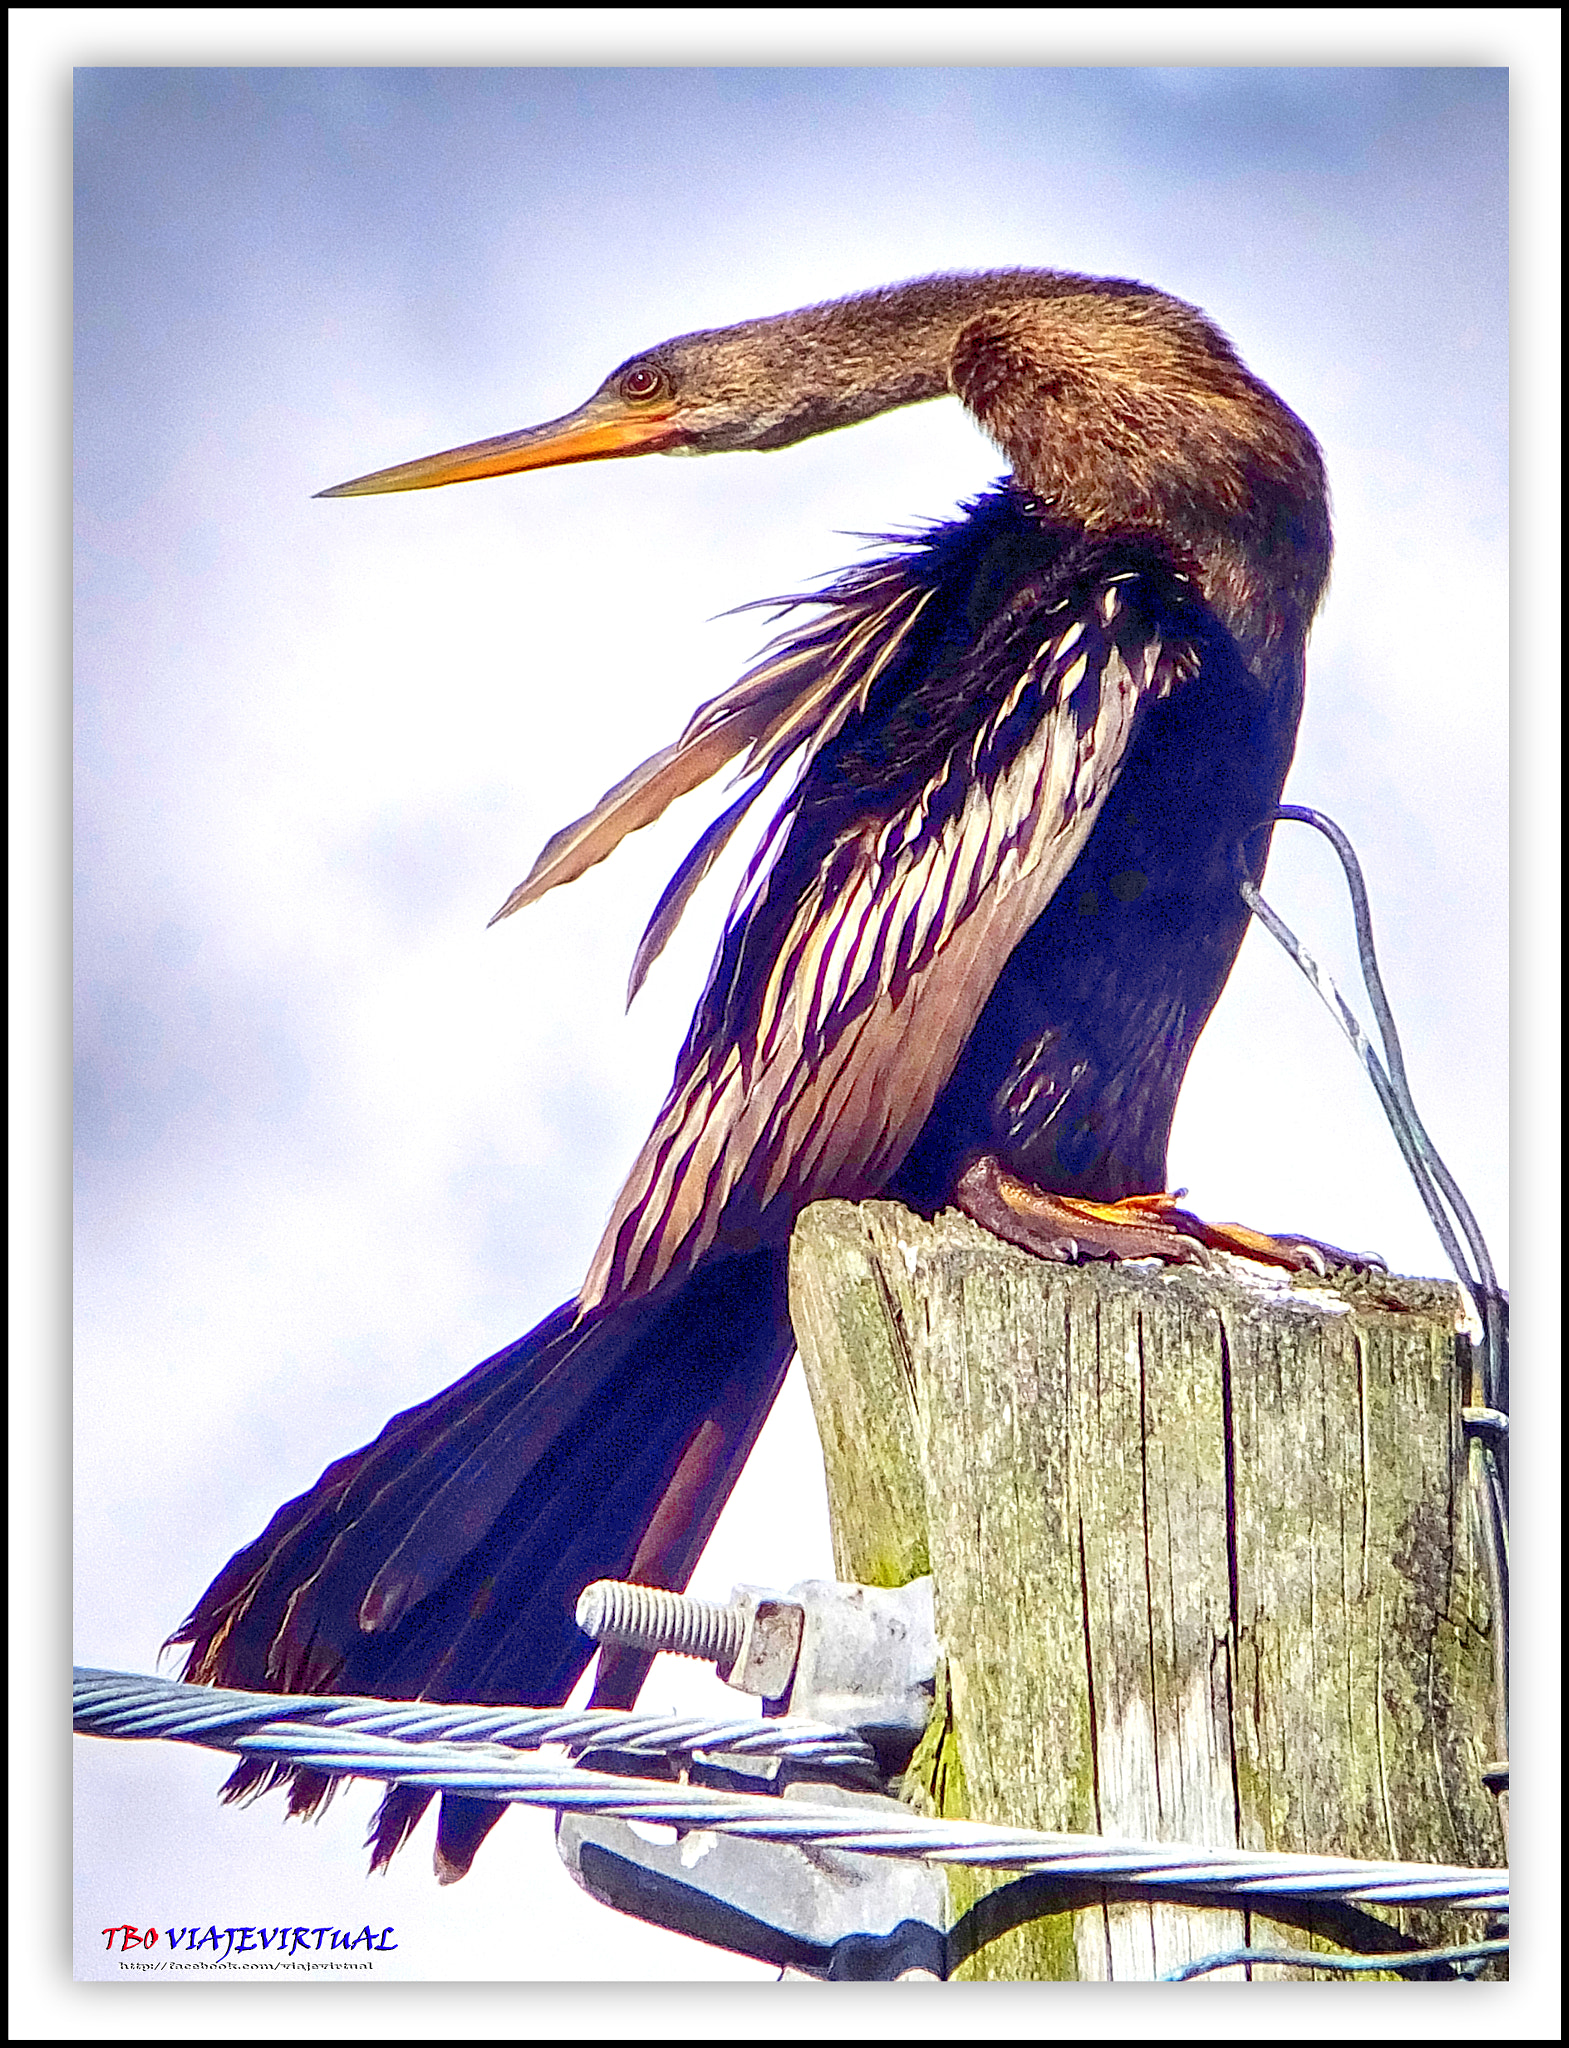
pixel 1022 751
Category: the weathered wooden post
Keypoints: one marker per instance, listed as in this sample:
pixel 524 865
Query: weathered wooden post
pixel 1205 1567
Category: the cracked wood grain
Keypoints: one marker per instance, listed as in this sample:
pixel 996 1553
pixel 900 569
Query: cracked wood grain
pixel 1204 1567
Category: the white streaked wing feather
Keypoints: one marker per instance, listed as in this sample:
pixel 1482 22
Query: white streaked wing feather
pixel 844 1076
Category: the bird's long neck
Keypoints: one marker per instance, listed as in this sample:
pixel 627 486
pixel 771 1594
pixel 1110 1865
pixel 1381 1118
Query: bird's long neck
pixel 1120 409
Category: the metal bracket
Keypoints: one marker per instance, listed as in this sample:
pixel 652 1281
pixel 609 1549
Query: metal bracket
pixel 857 1657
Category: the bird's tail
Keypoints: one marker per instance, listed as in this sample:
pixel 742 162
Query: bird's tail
pixel 444 1560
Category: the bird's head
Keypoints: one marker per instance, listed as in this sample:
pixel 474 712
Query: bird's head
pixel 1122 409
pixel 761 384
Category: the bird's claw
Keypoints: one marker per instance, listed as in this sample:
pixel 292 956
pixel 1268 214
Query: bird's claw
pixel 1034 1220
pixel 1296 1254
pixel 1071 1231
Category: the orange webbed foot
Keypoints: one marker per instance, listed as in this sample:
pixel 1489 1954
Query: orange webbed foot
pixel 1069 1229
pixel 1297 1254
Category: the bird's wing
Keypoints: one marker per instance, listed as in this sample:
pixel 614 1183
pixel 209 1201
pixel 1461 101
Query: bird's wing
pixel 799 694
pixel 920 845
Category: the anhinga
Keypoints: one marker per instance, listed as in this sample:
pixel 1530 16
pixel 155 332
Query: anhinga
pixel 967 965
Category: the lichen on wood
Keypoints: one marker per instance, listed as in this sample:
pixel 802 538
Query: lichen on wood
pixel 1204 1567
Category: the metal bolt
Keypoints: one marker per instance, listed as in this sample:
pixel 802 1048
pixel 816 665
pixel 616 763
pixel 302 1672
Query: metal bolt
pixel 753 1642
pixel 649 1618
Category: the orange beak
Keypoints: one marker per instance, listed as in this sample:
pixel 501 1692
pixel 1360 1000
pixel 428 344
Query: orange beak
pixel 603 427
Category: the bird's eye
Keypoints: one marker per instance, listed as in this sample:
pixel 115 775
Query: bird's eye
pixel 643 382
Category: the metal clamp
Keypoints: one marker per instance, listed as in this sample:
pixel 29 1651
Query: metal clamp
pixel 861 1658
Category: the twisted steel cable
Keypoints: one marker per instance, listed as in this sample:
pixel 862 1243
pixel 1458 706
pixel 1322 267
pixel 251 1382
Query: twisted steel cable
pixel 133 1707
pixel 107 1704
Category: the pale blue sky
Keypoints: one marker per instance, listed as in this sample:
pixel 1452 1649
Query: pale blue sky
pixel 336 1141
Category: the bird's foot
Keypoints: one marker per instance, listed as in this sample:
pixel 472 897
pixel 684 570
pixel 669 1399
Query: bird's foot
pixel 1296 1254
pixel 1068 1229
